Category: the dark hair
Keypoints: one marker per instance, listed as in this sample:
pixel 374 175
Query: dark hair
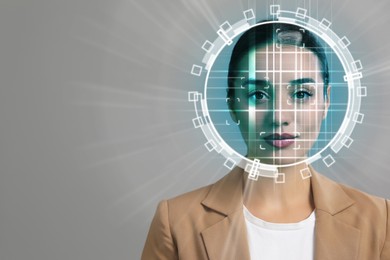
pixel 280 33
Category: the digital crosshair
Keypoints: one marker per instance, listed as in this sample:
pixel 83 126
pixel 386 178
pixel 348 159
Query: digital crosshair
pixel 212 112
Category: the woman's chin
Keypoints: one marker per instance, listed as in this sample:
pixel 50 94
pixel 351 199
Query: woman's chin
pixel 278 161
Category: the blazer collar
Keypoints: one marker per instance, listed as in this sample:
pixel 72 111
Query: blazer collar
pixel 227 239
pixel 335 239
pixel 225 195
pixel 328 195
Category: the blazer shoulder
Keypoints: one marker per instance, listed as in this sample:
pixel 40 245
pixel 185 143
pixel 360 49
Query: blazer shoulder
pixel 375 211
pixel 195 195
pixel 188 200
pixel 366 201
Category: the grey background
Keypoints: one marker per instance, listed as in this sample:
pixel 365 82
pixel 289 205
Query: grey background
pixel 95 124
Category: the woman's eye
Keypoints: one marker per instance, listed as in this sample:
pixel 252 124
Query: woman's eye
pixel 302 95
pixel 259 96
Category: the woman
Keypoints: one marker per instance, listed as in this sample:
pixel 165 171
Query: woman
pixel 279 91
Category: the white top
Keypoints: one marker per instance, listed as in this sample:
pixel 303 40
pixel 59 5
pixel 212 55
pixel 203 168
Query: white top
pixel 280 241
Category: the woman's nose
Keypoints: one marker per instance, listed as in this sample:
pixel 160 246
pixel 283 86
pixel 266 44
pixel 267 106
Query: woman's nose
pixel 282 112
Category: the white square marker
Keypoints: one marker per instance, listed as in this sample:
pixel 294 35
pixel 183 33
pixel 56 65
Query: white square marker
pixel 301 13
pixel 196 70
pixel 192 96
pixel 344 42
pixel 329 160
pixel 207 46
pixel 198 122
pixel 281 178
pixel 357 65
pixel 347 141
pixel 325 24
pixel 249 14
pixel 210 145
pixel 275 9
pixel 226 26
pixel 358 117
pixel 305 173
pixel 229 163
pixel 362 91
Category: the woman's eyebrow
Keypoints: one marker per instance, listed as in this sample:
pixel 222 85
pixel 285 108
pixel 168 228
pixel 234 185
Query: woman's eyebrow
pixel 257 82
pixel 302 81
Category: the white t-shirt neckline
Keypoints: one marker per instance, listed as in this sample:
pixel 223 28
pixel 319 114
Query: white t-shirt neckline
pixel 278 226
pixel 280 241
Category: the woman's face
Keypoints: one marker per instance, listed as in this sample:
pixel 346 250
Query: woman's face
pixel 279 102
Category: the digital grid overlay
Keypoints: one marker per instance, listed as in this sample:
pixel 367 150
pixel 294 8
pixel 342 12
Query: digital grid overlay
pixel 333 140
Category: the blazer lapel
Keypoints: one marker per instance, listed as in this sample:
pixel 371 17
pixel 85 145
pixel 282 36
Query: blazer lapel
pixel 334 239
pixel 227 239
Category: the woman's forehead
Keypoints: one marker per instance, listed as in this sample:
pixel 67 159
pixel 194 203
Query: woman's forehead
pixel 275 61
pixel 271 55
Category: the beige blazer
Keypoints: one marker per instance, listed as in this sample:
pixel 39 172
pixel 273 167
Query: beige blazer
pixel 208 223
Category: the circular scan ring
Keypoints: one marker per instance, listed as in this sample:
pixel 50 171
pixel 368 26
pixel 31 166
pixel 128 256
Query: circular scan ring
pixel 352 69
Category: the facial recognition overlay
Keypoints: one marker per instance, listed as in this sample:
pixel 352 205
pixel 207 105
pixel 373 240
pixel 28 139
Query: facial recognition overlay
pixel 277 92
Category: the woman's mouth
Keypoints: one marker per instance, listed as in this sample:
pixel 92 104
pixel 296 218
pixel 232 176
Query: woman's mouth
pixel 280 140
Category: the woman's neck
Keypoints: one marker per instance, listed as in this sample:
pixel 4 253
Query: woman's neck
pixel 288 202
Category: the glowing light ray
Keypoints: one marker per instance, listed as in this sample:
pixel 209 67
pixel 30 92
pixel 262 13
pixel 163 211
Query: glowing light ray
pixel 170 167
pixel 129 41
pixel 114 159
pixel 377 69
pixel 151 136
pixel 365 24
pixel 126 91
pixel 146 203
pixel 252 136
pixel 148 15
pixel 123 56
pixel 131 93
pixel 204 9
